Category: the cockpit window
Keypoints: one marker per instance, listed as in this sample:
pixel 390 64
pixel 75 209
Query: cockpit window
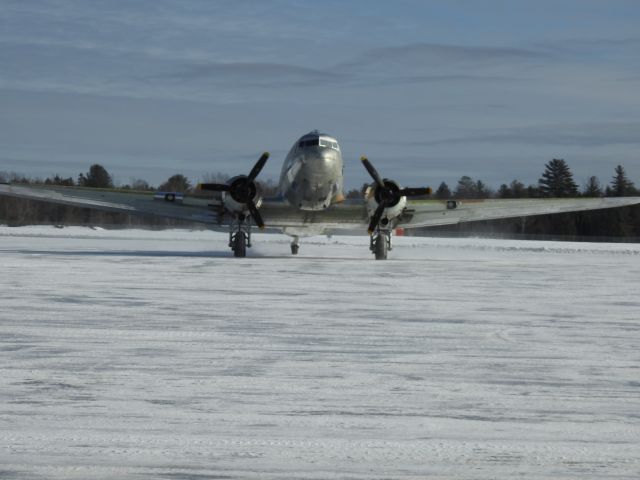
pixel 325 142
pixel 313 142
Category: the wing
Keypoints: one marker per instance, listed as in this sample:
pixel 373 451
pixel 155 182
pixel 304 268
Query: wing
pixel 169 205
pixel 435 212
pixel 276 213
pixel 279 214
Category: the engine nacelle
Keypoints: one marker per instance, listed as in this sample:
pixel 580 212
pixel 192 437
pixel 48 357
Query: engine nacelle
pixel 394 208
pixel 240 189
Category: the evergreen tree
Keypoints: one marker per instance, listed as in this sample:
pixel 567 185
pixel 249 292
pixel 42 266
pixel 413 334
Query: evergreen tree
pixel 504 191
pixel 466 188
pixel 518 190
pixel 592 188
pixel 515 189
pixel 96 177
pixel 443 192
pixel 557 180
pixel 469 188
pixel 621 186
pixel 482 191
pixel 58 180
pixel 533 191
pixel 176 183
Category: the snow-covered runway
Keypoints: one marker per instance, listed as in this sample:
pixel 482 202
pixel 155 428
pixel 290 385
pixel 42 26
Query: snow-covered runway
pixel 135 354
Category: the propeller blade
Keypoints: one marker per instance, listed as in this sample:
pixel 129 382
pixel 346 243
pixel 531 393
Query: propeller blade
pixel 415 192
pixel 376 218
pixel 258 166
pixel 255 214
pixel 216 187
pixel 372 171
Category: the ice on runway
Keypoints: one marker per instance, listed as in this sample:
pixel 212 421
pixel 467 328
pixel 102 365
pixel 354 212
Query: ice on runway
pixel 136 354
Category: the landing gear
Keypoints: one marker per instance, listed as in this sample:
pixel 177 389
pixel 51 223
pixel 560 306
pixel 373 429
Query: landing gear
pixel 380 243
pixel 294 246
pixel 240 245
pixel 240 236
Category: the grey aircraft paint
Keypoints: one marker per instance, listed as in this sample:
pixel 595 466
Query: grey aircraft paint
pixel 312 174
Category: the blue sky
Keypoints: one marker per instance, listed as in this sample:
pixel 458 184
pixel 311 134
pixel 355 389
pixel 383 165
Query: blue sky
pixel 429 91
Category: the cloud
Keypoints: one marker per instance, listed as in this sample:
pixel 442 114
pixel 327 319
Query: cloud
pixel 592 45
pixel 441 54
pixel 581 135
pixel 251 75
pixel 426 63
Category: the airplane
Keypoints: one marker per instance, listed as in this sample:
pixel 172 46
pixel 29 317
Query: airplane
pixel 310 201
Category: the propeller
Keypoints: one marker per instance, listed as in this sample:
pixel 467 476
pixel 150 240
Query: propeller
pixel 243 189
pixel 387 193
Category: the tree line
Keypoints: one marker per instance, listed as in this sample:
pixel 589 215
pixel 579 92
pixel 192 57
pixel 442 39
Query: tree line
pixel 555 181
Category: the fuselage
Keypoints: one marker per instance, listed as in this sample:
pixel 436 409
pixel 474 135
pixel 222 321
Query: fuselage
pixel 312 174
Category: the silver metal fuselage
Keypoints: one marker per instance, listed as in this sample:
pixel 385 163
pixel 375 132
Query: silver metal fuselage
pixel 312 174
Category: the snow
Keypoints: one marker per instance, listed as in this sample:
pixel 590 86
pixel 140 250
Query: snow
pixel 140 354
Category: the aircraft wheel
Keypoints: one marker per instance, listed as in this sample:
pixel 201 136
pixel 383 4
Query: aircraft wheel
pixel 240 245
pixel 294 249
pixel 380 248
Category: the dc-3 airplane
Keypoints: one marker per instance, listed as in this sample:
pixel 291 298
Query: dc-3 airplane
pixel 310 201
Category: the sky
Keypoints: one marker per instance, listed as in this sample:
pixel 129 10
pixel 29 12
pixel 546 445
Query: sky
pixel 428 90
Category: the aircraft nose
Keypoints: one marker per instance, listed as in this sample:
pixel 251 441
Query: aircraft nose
pixel 322 160
pixel 319 179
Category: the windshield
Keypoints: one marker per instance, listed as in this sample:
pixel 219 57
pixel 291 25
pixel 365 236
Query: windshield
pixel 312 142
pixel 326 142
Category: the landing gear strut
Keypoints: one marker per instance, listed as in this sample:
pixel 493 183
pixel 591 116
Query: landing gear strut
pixel 240 236
pixel 294 246
pixel 380 243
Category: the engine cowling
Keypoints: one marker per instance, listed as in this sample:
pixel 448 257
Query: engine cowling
pixel 241 192
pixel 390 196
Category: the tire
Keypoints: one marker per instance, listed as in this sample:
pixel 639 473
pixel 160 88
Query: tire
pixel 380 248
pixel 240 245
pixel 294 249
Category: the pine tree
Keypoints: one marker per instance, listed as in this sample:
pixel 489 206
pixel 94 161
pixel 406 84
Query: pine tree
pixel 443 192
pixel 466 188
pixel 557 180
pixel 482 191
pixel 176 183
pixel 96 177
pixel 518 190
pixel 504 191
pixel 621 185
pixel 592 188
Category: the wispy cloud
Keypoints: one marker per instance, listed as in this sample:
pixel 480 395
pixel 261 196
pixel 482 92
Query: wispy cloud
pixel 627 45
pixel 250 75
pixel 582 135
pixel 430 54
pixel 412 60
